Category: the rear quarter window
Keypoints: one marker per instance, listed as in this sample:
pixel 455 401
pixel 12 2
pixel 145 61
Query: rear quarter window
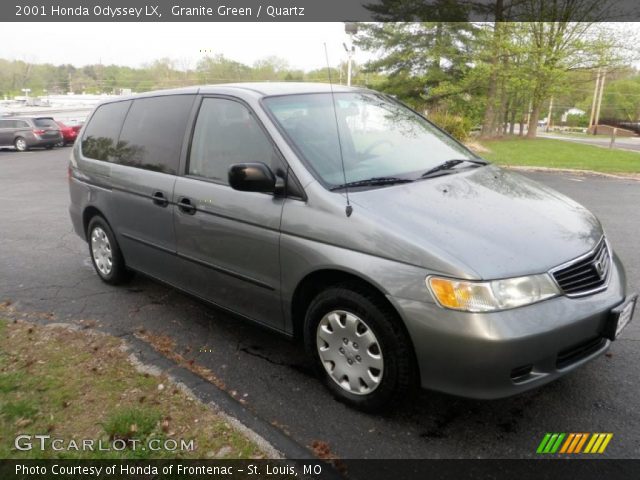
pixel 45 122
pixel 153 133
pixel 100 139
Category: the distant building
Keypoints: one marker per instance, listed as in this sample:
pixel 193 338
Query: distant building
pixel 571 111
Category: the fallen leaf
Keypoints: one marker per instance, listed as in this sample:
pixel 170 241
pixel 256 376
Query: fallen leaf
pixel 23 422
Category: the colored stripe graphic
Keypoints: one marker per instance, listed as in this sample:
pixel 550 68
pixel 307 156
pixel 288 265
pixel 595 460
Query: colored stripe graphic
pixel 543 443
pixel 578 437
pixel 573 443
pixel 551 443
pixel 567 443
pixel 598 443
pixel 607 439
pixel 552 440
pixel 581 442
pixel 593 439
pixel 556 446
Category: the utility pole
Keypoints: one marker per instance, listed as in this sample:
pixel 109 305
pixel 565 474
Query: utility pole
pixel 597 117
pixel 549 116
pixel 595 100
pixel 350 52
pixel 351 29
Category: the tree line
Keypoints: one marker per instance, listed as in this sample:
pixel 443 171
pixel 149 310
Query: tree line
pixel 493 76
pixel 509 71
pixel 46 78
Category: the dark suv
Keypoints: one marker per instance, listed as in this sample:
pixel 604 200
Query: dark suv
pixel 24 133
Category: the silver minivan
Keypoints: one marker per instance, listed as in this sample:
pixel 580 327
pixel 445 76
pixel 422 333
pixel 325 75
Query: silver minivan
pixel 342 218
pixel 24 133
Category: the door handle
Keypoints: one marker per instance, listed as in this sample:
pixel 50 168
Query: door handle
pixel 160 199
pixel 185 206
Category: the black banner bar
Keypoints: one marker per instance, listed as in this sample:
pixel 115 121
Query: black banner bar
pixel 316 10
pixel 533 469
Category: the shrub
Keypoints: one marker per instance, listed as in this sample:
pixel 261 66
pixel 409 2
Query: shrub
pixel 457 126
pixel 577 120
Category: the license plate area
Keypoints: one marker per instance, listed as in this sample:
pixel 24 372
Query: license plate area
pixel 620 318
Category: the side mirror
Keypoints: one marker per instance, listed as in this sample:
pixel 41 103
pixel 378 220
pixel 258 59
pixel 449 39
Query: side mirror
pixel 252 177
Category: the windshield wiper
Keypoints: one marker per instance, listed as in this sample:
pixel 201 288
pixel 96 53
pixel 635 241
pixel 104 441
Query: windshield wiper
pixel 375 181
pixel 449 164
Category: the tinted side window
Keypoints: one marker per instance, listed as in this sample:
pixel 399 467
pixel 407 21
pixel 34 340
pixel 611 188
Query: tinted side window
pixel 5 123
pixel 152 134
pixel 101 135
pixel 21 124
pixel 227 133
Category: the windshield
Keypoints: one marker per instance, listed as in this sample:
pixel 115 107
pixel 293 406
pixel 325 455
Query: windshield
pixel 379 137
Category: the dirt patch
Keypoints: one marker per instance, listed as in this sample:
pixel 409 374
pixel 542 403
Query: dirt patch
pixel 166 345
pixel 78 384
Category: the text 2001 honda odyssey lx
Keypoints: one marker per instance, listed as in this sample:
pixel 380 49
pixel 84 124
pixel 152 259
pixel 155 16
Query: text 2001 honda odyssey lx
pixel 349 221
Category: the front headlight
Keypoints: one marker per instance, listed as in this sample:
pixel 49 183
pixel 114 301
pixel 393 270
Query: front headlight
pixel 492 295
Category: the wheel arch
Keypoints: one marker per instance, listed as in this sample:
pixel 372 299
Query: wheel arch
pixel 87 214
pixel 315 282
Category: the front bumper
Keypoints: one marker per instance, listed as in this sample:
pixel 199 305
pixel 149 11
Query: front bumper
pixel 493 355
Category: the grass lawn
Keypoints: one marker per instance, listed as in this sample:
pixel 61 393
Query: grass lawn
pixel 544 152
pixel 75 385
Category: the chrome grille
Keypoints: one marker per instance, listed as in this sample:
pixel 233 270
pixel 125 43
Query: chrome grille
pixel 587 274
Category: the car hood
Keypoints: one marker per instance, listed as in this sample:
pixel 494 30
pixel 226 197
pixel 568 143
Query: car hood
pixel 489 222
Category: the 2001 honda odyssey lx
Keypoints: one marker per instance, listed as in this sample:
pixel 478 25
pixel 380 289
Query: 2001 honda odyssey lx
pixel 351 222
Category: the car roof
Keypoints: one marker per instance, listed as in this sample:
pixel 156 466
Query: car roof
pixel 26 117
pixel 254 89
pixel 283 88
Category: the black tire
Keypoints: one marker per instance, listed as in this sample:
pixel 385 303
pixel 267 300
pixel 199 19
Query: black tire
pixel 20 144
pixel 400 377
pixel 118 273
pixel 49 147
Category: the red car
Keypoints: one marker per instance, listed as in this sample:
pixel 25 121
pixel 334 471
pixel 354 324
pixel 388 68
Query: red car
pixel 69 133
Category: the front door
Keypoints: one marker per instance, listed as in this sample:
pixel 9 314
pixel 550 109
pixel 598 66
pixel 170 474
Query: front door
pixel 227 240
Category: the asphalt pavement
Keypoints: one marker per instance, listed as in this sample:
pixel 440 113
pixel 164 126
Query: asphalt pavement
pixel 45 270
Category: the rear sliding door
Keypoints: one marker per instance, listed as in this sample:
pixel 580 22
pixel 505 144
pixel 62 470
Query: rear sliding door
pixel 147 157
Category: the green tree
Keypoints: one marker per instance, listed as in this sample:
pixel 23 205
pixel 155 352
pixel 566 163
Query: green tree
pixel 621 100
pixel 219 69
pixel 418 57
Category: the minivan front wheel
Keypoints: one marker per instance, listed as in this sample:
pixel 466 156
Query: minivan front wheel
pixel 105 252
pixel 21 144
pixel 359 348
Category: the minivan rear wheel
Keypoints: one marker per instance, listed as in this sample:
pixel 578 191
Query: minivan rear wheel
pixel 359 348
pixel 21 144
pixel 105 253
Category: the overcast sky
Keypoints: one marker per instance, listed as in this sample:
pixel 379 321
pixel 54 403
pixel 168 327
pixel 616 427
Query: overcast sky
pixel 134 44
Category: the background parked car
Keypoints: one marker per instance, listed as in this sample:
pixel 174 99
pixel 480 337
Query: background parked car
pixel 69 133
pixel 24 133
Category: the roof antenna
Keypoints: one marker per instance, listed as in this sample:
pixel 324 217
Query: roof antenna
pixel 349 209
